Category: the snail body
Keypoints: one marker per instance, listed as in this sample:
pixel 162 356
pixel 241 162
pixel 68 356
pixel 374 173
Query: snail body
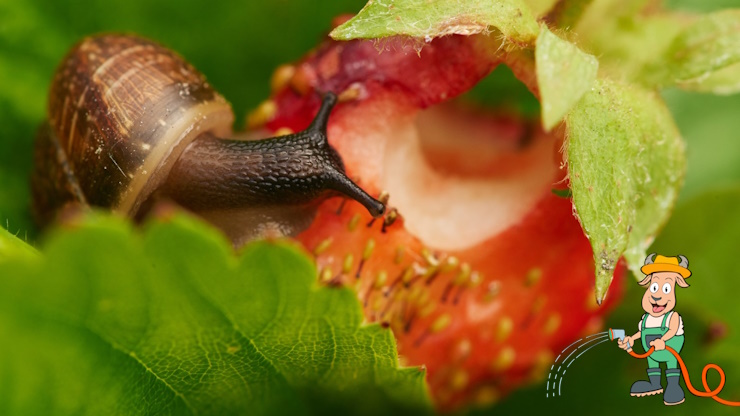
pixel 130 122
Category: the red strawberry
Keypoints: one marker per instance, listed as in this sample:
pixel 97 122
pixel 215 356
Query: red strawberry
pixel 482 272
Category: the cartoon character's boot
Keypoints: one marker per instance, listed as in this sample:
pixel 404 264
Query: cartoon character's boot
pixel 648 388
pixel 673 392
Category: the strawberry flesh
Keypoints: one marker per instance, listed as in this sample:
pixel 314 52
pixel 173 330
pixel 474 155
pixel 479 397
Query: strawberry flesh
pixel 482 273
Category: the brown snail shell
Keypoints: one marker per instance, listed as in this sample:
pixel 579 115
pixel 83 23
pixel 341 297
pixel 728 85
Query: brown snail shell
pixel 121 110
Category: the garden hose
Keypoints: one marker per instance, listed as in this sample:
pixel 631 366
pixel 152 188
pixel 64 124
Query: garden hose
pixel 707 392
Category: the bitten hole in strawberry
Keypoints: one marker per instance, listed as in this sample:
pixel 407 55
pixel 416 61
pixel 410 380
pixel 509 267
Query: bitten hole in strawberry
pixel 479 173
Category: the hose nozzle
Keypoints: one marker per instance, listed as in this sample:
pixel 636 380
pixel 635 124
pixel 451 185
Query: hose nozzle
pixel 616 334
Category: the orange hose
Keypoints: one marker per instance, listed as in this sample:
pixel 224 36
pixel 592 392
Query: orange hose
pixel 707 392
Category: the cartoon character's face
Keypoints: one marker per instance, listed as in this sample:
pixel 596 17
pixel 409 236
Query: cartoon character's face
pixel 660 296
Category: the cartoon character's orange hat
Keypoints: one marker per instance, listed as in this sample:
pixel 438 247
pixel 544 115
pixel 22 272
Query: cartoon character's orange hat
pixel 660 263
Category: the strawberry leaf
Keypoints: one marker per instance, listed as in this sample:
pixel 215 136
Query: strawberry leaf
pixel 626 163
pixel 706 55
pixel 425 20
pixel 173 322
pixel 564 74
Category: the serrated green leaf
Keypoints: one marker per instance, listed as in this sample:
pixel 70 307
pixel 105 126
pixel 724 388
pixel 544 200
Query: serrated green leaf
pixel 626 163
pixel 171 322
pixel 427 20
pixel 564 74
pixel 706 55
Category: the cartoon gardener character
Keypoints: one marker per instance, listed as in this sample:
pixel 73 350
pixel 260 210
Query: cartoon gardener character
pixel 660 326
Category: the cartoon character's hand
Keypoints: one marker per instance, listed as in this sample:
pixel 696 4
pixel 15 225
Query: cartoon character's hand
pixel 626 344
pixel 659 344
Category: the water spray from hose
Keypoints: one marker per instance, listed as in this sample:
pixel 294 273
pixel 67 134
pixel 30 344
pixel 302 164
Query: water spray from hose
pixel 555 377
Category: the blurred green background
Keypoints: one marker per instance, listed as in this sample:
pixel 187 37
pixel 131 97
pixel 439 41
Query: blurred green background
pixel 237 44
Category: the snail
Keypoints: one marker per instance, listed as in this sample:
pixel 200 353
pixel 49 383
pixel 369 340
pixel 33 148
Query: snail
pixel 131 123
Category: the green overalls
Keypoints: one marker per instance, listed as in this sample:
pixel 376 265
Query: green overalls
pixel 663 356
